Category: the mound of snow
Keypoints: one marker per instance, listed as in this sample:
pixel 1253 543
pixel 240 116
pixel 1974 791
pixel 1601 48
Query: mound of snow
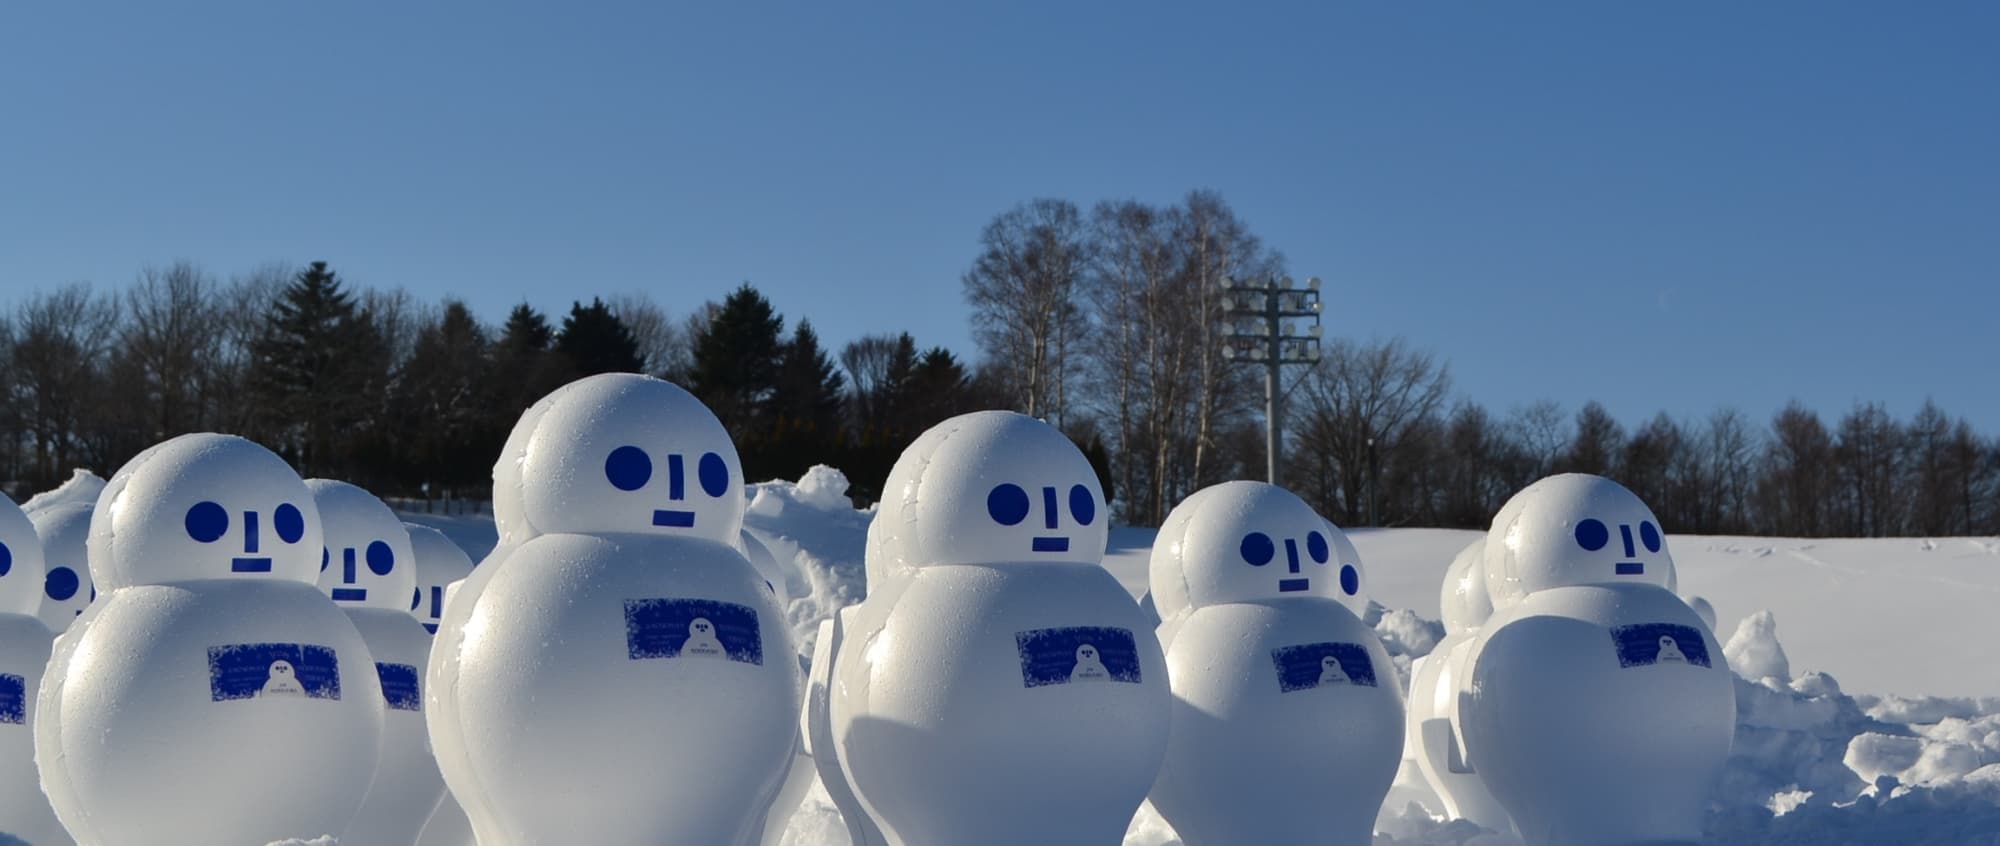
pixel 83 486
pixel 1754 653
pixel 819 539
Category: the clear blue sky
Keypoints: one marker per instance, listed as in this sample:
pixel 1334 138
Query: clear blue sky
pixel 1662 206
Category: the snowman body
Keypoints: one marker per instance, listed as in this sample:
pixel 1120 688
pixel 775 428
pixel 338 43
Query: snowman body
pixel 969 687
pixel 25 645
pixel 1433 685
pixel 645 729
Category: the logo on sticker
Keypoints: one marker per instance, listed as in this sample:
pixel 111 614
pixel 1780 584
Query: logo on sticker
pixel 1314 665
pixel 273 670
pixel 399 686
pixel 1076 655
pixel 692 628
pixel 13 700
pixel 1659 643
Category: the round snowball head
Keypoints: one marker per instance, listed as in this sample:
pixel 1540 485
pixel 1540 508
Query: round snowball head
pixel 1703 609
pixel 998 487
pixel 1575 529
pixel 366 561
pixel 620 452
pixel 1253 541
pixel 21 564
pixel 1464 600
pixel 884 556
pixel 1166 574
pixel 204 506
pixel 510 519
pixel 439 563
pixel 1352 573
pixel 66 589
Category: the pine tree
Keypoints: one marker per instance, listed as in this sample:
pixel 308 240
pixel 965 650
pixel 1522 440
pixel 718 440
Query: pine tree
pixel 736 360
pixel 317 372
pixel 447 430
pixel 529 367
pixel 808 387
pixel 593 340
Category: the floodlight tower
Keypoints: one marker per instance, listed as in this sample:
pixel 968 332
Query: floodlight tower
pixel 1262 316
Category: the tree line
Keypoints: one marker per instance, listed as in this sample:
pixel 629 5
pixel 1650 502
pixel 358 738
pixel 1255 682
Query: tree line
pixel 1109 323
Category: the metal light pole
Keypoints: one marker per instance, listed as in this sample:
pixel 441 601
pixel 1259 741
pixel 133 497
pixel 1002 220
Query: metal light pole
pixel 1260 316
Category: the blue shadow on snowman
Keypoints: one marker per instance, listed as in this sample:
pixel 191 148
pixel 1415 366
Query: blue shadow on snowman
pixel 1315 665
pixel 692 628
pixel 13 700
pixel 1647 644
pixel 400 688
pixel 1077 654
pixel 273 670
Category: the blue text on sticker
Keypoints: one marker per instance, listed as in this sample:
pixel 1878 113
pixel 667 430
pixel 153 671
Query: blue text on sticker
pixel 1647 644
pixel 1077 654
pixel 273 670
pixel 692 628
pixel 400 687
pixel 1314 665
pixel 13 700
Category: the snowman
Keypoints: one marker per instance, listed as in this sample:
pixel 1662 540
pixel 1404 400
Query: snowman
pixel 368 567
pixel 1594 707
pixel 66 590
pixel 630 504
pixel 25 645
pixel 798 782
pixel 1273 673
pixel 282 680
pixel 949 709
pixel 1089 667
pixel 1466 606
pixel 205 548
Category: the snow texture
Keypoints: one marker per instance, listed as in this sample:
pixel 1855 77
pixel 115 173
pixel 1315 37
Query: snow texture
pixel 82 486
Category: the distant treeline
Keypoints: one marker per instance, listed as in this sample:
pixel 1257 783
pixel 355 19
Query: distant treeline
pixel 1108 324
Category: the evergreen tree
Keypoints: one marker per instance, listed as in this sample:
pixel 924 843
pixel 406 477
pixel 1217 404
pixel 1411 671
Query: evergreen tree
pixel 808 387
pixel 317 371
pixel 447 430
pixel 736 360
pixel 593 340
pixel 529 367
pixel 938 388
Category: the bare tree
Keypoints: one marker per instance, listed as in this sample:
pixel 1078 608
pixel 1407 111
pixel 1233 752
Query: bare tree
pixel 171 343
pixel 662 344
pixel 1541 429
pixel 1796 485
pixel 1363 404
pixel 1022 290
pixel 57 354
pixel 1217 245
pixel 868 361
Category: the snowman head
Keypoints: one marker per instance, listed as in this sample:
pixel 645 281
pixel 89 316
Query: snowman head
pixel 1247 541
pixel 22 567
pixel 702 628
pixel 1086 654
pixel 1574 529
pixel 366 561
pixel 621 452
pixel 439 563
pixel 204 506
pixel 1464 600
pixel 66 589
pixel 992 487
pixel 281 669
pixel 1329 663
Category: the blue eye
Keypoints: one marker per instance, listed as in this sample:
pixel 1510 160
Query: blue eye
pixel 1008 504
pixel 6 559
pixel 1316 547
pixel 628 468
pixel 61 584
pixel 416 598
pixel 1350 579
pixel 1649 535
pixel 381 559
pixel 714 473
pixel 1592 535
pixel 207 521
pixel 1258 549
pixel 1082 505
pixel 325 558
pixel 290 523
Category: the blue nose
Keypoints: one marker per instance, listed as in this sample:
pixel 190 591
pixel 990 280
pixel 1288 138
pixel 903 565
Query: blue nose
pixel 348 576
pixel 250 561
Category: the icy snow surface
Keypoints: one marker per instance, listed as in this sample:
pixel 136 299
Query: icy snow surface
pixel 1904 748
pixel 83 486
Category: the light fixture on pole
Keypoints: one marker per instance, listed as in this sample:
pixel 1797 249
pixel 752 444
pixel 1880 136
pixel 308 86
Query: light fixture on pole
pixel 1263 315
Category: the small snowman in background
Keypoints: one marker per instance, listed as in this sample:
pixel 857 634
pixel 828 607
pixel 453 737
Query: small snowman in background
pixel 1273 673
pixel 562 677
pixel 369 569
pixel 440 562
pixel 1594 707
pixel 66 590
pixel 946 704
pixel 205 548
pixel 25 645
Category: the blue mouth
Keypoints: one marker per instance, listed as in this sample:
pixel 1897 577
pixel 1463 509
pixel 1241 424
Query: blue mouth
pixel 1051 545
pixel 674 519
pixel 250 565
pixel 1631 568
pixel 350 594
pixel 1293 585
pixel 429 627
